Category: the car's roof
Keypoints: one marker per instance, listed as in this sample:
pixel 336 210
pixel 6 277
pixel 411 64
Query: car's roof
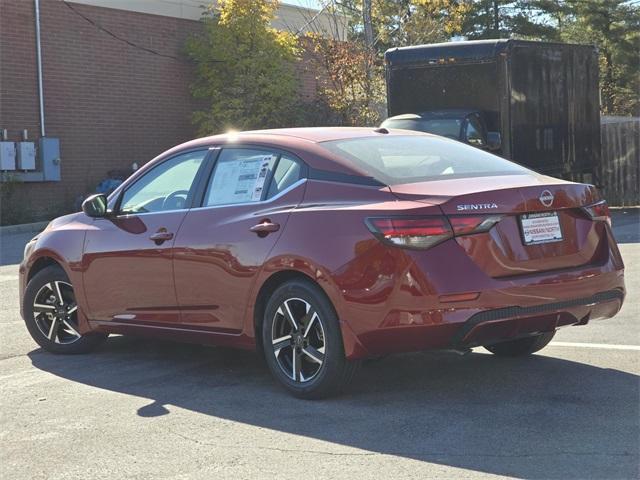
pixel 309 134
pixel 303 142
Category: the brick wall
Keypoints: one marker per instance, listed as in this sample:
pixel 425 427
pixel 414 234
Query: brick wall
pixel 109 103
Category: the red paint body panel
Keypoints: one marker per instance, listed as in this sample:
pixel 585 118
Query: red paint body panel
pixel 126 275
pixel 202 286
pixel 217 259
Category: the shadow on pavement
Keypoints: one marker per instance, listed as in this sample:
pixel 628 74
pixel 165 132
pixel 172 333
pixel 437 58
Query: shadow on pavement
pixel 537 417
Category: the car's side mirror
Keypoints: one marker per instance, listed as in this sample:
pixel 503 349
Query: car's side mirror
pixel 95 206
pixel 494 140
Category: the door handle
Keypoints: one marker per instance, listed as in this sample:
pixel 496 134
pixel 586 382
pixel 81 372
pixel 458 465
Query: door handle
pixel 265 228
pixel 161 236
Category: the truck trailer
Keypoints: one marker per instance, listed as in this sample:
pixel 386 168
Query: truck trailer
pixel 541 100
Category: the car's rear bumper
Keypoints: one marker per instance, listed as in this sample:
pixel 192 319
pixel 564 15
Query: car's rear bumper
pixel 490 326
pixel 415 316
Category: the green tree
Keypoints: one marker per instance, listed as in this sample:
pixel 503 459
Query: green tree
pixel 397 23
pixel 614 26
pixel 245 69
pixel 352 79
pixel 507 18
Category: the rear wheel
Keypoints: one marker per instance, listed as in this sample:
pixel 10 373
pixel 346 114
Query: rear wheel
pixel 51 314
pixel 303 343
pixel 521 346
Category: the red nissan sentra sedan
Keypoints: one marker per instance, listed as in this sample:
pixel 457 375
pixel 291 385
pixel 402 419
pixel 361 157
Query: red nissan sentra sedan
pixel 324 246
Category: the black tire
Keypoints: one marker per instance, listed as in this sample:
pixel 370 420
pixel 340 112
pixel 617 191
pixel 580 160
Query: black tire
pixel 521 346
pixel 41 293
pixel 335 371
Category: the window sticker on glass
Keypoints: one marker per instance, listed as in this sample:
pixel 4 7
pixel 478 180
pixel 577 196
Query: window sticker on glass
pixel 265 166
pixel 239 180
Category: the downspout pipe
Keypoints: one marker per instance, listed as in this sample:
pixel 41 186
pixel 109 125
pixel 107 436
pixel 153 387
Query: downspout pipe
pixel 39 60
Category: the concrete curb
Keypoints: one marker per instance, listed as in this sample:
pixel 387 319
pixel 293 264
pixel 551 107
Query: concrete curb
pixel 23 228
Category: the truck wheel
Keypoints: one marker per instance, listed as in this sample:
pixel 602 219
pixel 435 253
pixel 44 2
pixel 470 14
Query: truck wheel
pixel 302 342
pixel 521 346
pixel 51 314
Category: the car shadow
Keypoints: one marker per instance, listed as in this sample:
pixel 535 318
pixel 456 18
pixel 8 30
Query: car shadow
pixel 539 417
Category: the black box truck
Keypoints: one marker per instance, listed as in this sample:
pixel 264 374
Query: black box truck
pixel 542 98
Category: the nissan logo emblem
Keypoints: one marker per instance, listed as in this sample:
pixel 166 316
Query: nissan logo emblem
pixel 546 198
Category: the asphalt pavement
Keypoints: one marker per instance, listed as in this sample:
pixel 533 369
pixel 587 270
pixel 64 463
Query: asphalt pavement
pixel 148 409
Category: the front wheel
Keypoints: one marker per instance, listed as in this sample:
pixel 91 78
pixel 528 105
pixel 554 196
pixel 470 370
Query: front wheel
pixel 303 343
pixel 521 346
pixel 51 314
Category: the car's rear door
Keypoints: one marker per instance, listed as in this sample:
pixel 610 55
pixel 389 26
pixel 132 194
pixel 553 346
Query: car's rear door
pixel 127 260
pixel 223 243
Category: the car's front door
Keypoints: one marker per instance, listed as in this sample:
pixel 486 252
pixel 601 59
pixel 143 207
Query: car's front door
pixel 128 276
pixel 222 245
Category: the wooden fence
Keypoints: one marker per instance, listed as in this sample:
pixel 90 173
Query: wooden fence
pixel 619 170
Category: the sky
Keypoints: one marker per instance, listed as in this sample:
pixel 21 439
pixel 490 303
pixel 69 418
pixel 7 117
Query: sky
pixel 304 3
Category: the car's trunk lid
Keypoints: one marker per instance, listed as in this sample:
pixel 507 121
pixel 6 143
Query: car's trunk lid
pixel 503 251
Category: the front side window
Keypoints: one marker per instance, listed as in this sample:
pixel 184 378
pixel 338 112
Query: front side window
pixel 396 159
pixel 165 187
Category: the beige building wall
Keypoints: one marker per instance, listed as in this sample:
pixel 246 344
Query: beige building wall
pixel 291 18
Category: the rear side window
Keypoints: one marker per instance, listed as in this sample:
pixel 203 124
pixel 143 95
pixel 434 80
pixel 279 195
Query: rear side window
pixel 239 176
pixel 286 174
pixel 395 159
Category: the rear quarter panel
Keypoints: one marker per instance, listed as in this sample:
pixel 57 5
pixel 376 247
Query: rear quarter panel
pixel 328 241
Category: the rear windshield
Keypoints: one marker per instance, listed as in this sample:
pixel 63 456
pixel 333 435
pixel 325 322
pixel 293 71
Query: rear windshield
pixel 396 159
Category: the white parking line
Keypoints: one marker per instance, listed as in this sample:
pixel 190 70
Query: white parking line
pixel 596 345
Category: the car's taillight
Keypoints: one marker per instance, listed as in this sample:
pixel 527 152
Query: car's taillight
pixel 411 232
pixel 599 212
pixel 468 224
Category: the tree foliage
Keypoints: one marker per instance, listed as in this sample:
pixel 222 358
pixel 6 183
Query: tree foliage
pixel 505 18
pixel 244 68
pixel 614 26
pixel 398 23
pixel 351 80
pixel 356 97
pixel 416 22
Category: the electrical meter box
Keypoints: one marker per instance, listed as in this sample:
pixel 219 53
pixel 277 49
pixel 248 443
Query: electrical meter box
pixel 26 155
pixel 7 156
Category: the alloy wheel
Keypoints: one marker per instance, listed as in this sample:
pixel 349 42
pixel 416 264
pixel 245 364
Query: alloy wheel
pixel 55 312
pixel 298 340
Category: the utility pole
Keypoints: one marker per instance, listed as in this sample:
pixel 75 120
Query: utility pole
pixel 368 27
pixel 368 46
pixel 496 18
